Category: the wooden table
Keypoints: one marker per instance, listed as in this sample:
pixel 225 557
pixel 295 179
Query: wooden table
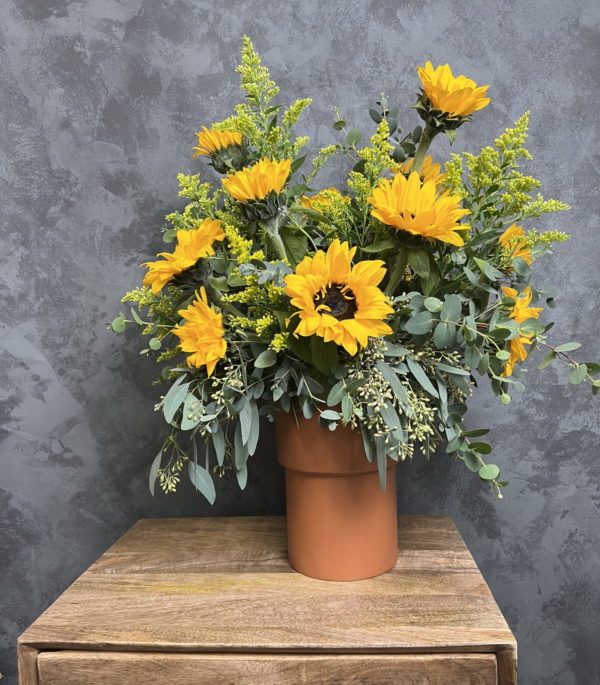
pixel 213 600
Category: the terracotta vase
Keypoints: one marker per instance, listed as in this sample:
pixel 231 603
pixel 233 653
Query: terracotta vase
pixel 341 525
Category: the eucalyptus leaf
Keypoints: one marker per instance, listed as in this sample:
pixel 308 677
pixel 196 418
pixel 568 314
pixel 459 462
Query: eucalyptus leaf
pixel 477 432
pixel 578 374
pixel 154 469
pixel 390 376
pixel 330 415
pixel 444 335
pixel 368 445
pixel 489 472
pixel 456 370
pixel 335 394
pixel 451 309
pixel 202 481
pixel 481 447
pixel 265 359
pixel 190 415
pixel 471 460
pixel 381 461
pixel 136 316
pixel 488 270
pixel 521 267
pixel 118 324
pixel 421 376
pixel 393 350
pixel 432 304
pixel 308 409
pixel 174 399
pixel 419 324
pixel 568 347
pixel 218 440
pixel 245 416
pixel 254 429
pixel 242 477
pixel 346 408
pixel 375 115
pixel 353 137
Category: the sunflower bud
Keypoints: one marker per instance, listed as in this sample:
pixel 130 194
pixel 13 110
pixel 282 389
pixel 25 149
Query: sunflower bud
pixel 447 101
pixel 227 149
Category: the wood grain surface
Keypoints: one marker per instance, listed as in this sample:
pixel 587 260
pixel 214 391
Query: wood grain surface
pixel 27 663
pixel 96 668
pixel 224 585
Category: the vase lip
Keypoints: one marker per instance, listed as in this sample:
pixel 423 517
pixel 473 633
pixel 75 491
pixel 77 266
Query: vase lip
pixel 304 446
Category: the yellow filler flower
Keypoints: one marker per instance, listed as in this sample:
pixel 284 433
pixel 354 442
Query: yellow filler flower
pixel 191 246
pixel 457 96
pixel 211 141
pixel 257 181
pixel 514 242
pixel 337 301
pixel 412 205
pixel 202 334
pixel 521 311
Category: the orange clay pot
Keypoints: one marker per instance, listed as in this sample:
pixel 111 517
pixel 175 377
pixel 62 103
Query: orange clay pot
pixel 340 524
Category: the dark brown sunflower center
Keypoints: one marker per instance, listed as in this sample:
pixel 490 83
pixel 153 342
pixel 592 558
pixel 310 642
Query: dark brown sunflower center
pixel 336 299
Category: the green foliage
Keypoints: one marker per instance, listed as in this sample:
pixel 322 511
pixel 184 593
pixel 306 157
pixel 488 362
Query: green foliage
pixel 453 319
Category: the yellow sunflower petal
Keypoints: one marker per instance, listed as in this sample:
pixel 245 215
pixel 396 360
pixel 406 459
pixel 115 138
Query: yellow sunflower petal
pixel 338 302
pixel 257 181
pixel 457 96
pixel 191 246
pixel 202 334
pixel 211 141
pixel 413 205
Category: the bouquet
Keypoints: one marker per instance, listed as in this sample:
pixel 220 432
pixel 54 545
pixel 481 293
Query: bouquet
pixel 378 304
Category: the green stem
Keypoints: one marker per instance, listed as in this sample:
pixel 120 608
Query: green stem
pixel 272 227
pixel 397 271
pixel 278 245
pixel 426 137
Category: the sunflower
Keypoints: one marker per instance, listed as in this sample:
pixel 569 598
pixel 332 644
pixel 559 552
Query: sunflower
pixel 520 312
pixel 514 242
pixel 259 180
pixel 457 96
pixel 211 141
pixel 429 170
pixel 191 246
pixel 412 205
pixel 337 301
pixel 201 334
pixel 322 199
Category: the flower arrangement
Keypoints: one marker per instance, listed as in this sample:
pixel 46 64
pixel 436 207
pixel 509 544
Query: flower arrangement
pixel 374 305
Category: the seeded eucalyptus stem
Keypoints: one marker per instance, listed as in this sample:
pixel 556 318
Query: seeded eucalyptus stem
pixel 426 137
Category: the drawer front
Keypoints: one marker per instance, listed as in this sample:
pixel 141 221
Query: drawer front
pixel 135 668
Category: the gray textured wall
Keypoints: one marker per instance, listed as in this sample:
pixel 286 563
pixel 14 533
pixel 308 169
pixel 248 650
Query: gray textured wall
pixel 99 101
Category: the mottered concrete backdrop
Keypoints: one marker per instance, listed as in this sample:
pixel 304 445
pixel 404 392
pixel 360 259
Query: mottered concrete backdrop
pixel 99 103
